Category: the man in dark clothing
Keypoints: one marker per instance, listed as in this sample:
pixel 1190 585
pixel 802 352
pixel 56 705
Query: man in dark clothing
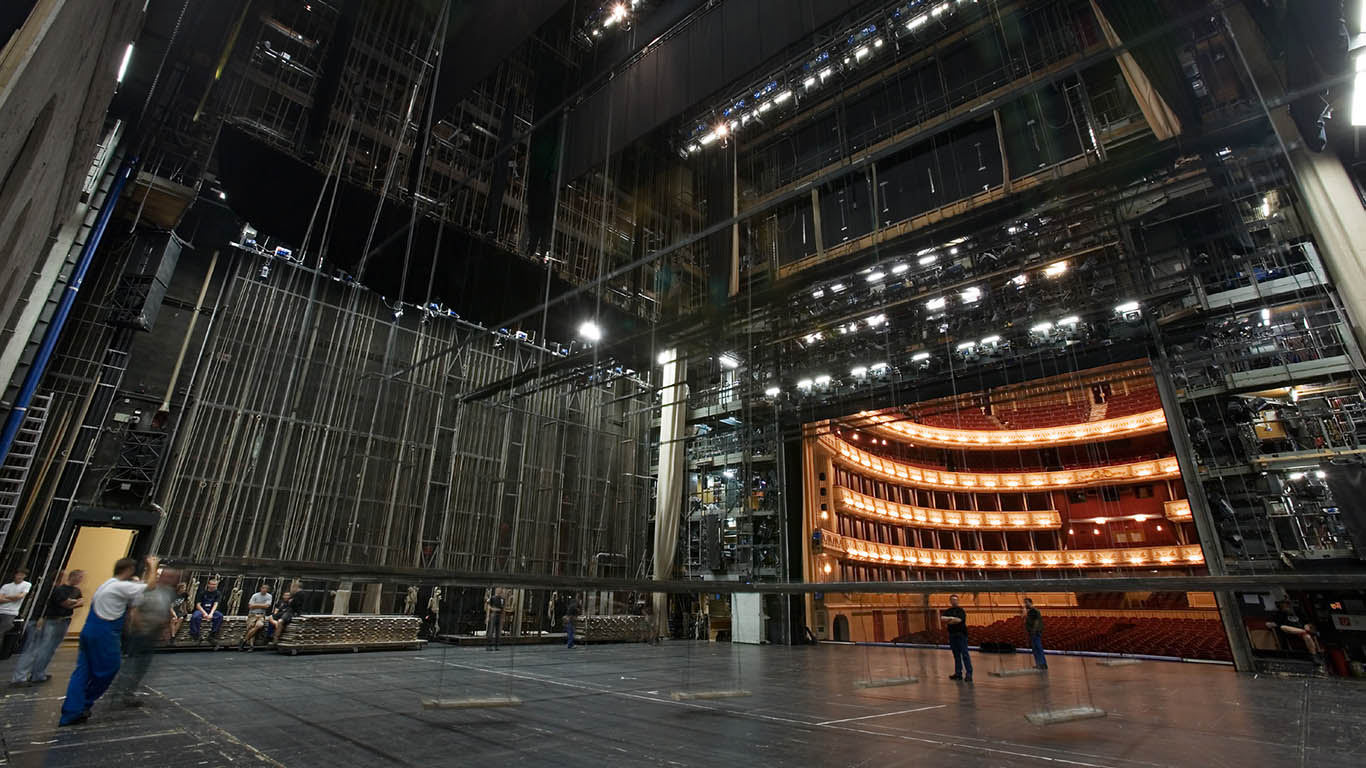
pixel 1034 628
pixel 43 641
pixel 207 608
pixel 495 626
pixel 279 617
pixel 956 621
pixel 571 616
pixel 1288 622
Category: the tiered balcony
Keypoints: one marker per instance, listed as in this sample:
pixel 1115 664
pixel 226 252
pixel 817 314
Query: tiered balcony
pixel 847 548
pixel 921 477
pixel 1143 423
pixel 873 508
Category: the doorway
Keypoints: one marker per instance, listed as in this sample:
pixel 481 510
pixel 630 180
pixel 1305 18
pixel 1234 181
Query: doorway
pixel 95 549
pixel 841 629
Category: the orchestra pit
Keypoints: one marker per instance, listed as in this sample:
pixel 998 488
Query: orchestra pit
pixel 683 383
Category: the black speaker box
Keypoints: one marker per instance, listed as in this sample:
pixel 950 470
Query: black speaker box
pixel 146 276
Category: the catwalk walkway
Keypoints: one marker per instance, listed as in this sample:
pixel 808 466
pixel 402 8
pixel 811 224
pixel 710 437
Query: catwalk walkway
pixel 610 705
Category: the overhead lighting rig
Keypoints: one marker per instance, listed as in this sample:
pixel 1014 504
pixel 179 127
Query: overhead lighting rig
pixel 846 53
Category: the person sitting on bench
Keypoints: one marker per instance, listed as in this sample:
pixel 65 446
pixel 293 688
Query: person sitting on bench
pixel 257 608
pixel 279 618
pixel 207 607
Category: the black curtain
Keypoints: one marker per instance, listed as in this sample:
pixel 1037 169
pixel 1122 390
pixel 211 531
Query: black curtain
pixel 1347 482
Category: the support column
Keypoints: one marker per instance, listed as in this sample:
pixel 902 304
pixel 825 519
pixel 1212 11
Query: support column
pixel 816 222
pixel 673 418
pixel 1006 185
pixel 735 212
pixel 341 601
pixel 374 597
pixel 1238 642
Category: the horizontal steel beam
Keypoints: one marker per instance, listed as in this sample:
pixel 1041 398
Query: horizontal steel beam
pixel 405 575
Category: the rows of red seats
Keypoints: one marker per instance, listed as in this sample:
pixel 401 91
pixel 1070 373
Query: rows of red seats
pixel 967 418
pixel 1184 637
pixel 1041 416
pixel 1140 401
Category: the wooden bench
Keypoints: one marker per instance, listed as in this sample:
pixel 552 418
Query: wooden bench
pixel 314 633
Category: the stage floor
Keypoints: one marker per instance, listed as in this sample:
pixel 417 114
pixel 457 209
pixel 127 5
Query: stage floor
pixel 610 705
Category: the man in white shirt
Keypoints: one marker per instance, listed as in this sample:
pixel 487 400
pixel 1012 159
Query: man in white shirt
pixel 12 597
pixel 258 608
pixel 101 649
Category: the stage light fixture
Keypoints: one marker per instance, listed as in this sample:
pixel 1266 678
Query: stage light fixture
pixel 899 269
pixel 966 345
pixel 837 288
pixel 589 331
pixel 123 66
pixel 875 277
pixel 878 367
pixel 804 384
pixel 859 372
pixel 772 392
pixel 1053 270
pixel 918 356
pixel 822 380
pixel 925 261
pixel 819 293
pixel 938 303
pixel 1042 328
pixel 1069 320
pixel 665 357
pixel 1127 307
pixel 971 295
pixel 990 340
pixel 728 361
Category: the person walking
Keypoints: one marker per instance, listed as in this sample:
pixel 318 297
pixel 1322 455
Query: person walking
pixel 148 622
pixel 571 616
pixel 1034 628
pixel 100 654
pixel 956 622
pixel 52 627
pixel 495 625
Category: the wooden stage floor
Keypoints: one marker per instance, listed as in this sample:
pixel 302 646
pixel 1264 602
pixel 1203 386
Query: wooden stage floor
pixel 611 705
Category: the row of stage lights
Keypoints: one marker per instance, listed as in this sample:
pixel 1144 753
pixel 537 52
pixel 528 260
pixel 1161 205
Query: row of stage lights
pixel 859 46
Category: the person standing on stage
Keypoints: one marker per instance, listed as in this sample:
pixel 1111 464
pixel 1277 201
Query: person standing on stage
pixel 956 621
pixel 100 654
pixel 1034 628
pixel 38 649
pixel 12 596
pixel 495 626
pixel 571 616
pixel 148 621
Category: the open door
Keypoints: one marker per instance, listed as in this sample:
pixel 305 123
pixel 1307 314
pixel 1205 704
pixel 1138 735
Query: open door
pixel 95 549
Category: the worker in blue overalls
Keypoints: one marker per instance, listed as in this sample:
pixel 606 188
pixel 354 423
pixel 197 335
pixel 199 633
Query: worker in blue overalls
pixel 100 646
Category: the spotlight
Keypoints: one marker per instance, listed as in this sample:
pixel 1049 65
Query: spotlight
pixel 900 268
pixel 1069 320
pixel 822 380
pixel 589 331
pixel 665 357
pixel 772 392
pixel 728 361
pixel 876 276
pixel 859 372
pixel 837 288
pixel 1053 270
pixel 938 303
pixel 1042 328
pixel 804 384
pixel 918 356
pixel 990 340
pixel 925 261
pixel 1095 531
pixel 878 367
pixel 1127 307
pixel 971 295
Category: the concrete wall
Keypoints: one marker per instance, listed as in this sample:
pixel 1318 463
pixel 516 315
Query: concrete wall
pixel 56 79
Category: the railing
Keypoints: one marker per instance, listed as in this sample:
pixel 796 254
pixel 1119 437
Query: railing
pixel 1086 432
pixel 847 548
pixel 920 477
pixel 949 519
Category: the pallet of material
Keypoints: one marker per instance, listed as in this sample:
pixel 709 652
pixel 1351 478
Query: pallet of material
pixel 341 633
pixel 230 634
pixel 614 629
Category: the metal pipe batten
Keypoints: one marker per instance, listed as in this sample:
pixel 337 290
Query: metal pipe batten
pixel 54 330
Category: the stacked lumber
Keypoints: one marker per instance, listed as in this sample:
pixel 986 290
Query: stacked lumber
pixel 320 632
pixel 233 630
pixel 614 629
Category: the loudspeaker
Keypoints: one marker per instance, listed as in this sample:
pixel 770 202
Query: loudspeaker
pixel 146 276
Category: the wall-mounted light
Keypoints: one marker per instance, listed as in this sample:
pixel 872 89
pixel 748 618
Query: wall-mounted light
pixel 589 331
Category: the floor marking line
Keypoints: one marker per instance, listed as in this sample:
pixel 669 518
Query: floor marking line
pixel 742 713
pixel 884 714
pixel 250 748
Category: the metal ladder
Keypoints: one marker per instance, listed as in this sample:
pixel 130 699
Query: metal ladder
pixel 14 472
